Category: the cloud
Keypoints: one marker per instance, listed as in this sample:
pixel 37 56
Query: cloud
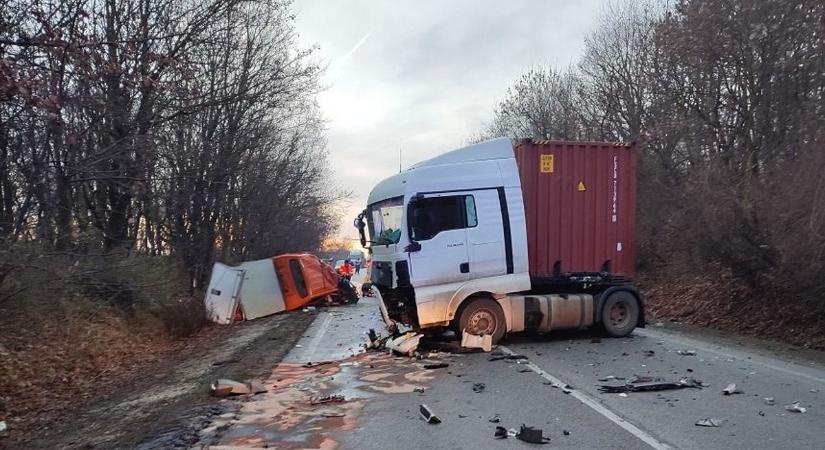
pixel 424 75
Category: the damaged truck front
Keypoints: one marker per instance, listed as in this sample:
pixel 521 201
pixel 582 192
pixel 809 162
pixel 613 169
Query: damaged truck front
pixel 506 236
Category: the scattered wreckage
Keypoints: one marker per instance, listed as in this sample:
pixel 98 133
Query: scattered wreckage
pixel 649 384
pixel 273 285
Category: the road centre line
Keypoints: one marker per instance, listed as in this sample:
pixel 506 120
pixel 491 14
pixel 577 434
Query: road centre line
pixel 598 407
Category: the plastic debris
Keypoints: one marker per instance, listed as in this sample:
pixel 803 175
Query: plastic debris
pixel 337 398
pixel 224 387
pixel 479 387
pixel 500 433
pixel 709 422
pixel 406 344
pixel 497 356
pixel 532 435
pixel 484 342
pixel 565 432
pixel 428 415
pixel 645 386
pixel 332 414
pixel 731 389
pixel 623 394
pixel 611 378
pixel 436 366
pixel 770 401
pixel 418 389
pixel 525 370
pixel 794 407
pixel 686 352
pixel 649 353
pixel 494 419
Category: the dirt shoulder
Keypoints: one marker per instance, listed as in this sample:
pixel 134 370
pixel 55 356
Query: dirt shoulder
pixel 165 404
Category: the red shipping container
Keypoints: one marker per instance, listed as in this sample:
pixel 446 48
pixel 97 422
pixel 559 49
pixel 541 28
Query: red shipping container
pixel 580 206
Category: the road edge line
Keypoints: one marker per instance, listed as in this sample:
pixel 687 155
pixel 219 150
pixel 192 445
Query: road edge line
pixel 598 407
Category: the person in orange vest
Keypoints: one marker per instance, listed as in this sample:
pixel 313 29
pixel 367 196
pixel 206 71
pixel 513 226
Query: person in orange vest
pixel 347 270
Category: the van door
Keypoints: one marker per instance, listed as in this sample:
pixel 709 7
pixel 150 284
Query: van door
pixel 438 223
pixel 485 235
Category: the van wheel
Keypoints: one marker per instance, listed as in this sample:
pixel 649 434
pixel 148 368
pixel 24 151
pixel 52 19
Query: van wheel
pixel 482 316
pixel 620 314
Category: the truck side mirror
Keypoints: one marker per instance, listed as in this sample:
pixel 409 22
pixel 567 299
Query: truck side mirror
pixel 412 247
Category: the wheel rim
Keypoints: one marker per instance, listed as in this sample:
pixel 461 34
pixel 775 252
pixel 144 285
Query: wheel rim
pixel 620 314
pixel 482 322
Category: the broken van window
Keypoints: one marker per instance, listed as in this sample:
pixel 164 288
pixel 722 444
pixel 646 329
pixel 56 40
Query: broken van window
pixel 384 220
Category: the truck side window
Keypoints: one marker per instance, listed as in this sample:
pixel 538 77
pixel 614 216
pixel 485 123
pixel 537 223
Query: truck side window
pixel 433 215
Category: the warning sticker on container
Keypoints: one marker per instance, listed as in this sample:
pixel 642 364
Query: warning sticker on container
pixel 581 187
pixel 546 165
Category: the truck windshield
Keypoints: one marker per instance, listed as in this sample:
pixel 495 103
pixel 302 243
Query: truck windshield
pixel 384 220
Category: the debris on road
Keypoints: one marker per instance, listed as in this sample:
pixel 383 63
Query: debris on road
pixel 498 356
pixel 3 426
pixel 405 344
pixel 311 364
pixel 596 340
pixel 686 352
pixel 332 414
pixel 500 433
pixel 335 398
pixel 525 370
pixel 649 353
pixel 647 386
pixel 436 366
pixel 484 342
pixel 611 378
pixel 623 394
pixel 794 407
pixel 256 387
pixel 565 432
pixel 418 389
pixel 709 422
pixel 770 401
pixel 224 387
pixel 731 389
pixel 495 419
pixel 428 415
pixel 479 387
pixel 532 435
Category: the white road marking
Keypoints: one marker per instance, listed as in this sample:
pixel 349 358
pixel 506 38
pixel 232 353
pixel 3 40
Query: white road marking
pixel 598 407
pixel 687 342
pixel 313 346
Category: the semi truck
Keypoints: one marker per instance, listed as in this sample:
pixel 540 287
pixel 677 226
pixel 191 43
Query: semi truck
pixel 507 236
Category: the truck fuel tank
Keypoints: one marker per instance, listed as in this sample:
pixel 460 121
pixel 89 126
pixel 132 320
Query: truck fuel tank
pixel 552 312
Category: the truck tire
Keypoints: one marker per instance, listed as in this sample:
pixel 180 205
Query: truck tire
pixel 482 315
pixel 620 314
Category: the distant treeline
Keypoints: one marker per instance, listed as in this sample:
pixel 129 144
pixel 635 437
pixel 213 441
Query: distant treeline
pixel 160 127
pixel 727 100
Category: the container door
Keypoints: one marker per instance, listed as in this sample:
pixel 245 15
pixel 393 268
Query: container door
pixel 439 225
pixel 223 293
pixel 485 234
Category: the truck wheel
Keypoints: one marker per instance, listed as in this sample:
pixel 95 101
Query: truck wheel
pixel 620 314
pixel 482 316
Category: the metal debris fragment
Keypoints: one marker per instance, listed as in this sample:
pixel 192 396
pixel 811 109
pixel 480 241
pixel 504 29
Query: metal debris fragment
pixel 709 422
pixel 436 365
pixel 686 352
pixel 499 356
pixel 795 407
pixel 650 386
pixel 731 389
pixel 770 401
pixel 428 415
pixel 479 387
pixel 495 419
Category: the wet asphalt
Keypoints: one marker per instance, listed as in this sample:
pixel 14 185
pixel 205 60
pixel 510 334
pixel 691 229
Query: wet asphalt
pixel 583 417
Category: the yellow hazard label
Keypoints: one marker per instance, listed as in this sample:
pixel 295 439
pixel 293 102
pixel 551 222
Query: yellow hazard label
pixel 581 187
pixel 546 164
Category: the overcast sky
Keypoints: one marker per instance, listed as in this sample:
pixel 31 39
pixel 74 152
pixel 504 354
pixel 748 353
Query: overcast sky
pixel 422 76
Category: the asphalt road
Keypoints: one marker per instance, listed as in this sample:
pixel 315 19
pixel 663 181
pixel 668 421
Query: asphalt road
pixel 583 417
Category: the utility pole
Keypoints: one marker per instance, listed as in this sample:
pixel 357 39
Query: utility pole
pixel 399 159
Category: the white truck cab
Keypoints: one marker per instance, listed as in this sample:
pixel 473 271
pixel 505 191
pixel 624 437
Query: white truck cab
pixel 448 243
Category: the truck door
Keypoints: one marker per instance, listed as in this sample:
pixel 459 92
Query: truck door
pixel 438 224
pixel 486 238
